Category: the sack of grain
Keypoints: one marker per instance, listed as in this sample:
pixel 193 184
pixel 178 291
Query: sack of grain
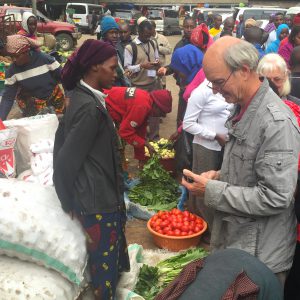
pixel 24 280
pixel 33 227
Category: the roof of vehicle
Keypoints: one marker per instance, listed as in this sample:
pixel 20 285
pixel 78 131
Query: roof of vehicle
pixel 90 4
pixel 293 10
pixel 213 9
pixel 261 7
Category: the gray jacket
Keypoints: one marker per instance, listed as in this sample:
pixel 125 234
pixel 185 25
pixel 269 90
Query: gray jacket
pixel 253 200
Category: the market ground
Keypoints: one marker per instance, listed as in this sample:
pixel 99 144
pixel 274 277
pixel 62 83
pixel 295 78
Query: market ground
pixel 136 230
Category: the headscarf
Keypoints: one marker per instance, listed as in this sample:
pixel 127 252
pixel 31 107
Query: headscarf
pixel 92 52
pixel 163 99
pixel 274 46
pixel 25 17
pixel 187 60
pixel 200 37
pixel 18 43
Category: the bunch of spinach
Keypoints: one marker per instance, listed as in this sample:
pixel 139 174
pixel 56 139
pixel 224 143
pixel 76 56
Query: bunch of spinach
pixel 157 189
pixel 152 280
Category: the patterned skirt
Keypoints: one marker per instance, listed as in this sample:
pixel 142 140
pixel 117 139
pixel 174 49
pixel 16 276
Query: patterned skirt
pixel 31 106
pixel 107 248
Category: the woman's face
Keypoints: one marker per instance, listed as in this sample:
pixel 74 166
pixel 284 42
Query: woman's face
pixel 32 24
pixel 283 34
pixel 112 36
pixel 106 74
pixel 297 39
pixel 278 78
pixel 20 59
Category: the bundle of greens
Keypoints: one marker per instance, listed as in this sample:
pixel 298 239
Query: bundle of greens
pixel 152 280
pixel 157 189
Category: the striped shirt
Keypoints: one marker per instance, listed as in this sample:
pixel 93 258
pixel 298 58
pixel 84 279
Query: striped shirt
pixel 39 77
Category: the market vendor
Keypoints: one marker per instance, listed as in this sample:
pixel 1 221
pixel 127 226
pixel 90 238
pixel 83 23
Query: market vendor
pixel 29 25
pixel 130 109
pixel 32 79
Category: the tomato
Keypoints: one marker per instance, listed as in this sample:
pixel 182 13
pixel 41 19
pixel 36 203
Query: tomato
pixel 157 228
pixel 170 232
pixel 184 233
pixel 154 218
pixel 199 221
pixel 186 223
pixel 160 231
pixel 160 213
pixel 164 223
pixel 197 229
pixel 186 219
pixel 185 228
pixel 186 214
pixel 166 229
pixel 190 232
pixel 164 217
pixel 192 223
pixel 177 232
pixel 192 217
pixel 179 225
pixel 176 211
pixel 174 224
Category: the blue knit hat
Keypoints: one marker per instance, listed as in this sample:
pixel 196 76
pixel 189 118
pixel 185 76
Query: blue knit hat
pixel 108 23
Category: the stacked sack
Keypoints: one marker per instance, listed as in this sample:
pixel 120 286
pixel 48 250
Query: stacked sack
pixel 48 247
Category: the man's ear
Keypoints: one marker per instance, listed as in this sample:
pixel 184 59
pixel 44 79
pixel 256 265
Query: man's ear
pixel 245 72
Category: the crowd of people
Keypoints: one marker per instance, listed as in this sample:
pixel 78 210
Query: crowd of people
pixel 238 107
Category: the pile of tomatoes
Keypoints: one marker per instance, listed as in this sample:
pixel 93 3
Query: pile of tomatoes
pixel 176 223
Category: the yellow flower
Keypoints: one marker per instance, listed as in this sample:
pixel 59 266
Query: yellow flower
pixel 105 253
pixel 98 217
pixel 108 224
pixel 111 248
pixel 107 283
pixel 105 266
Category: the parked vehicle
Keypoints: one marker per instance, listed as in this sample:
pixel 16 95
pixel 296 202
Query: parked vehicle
pixel 166 20
pixel 81 12
pixel 224 12
pixel 66 34
pixel 129 15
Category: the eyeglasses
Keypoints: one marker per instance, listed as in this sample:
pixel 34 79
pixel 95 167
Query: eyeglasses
pixel 218 86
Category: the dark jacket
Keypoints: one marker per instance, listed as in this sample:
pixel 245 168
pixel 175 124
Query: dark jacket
pixel 87 170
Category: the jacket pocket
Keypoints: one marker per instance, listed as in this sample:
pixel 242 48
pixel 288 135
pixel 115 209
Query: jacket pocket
pixel 243 171
pixel 241 233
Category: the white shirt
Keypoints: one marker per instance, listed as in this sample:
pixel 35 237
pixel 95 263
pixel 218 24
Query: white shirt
pixel 272 37
pixel 205 116
pixel 99 95
pixel 128 58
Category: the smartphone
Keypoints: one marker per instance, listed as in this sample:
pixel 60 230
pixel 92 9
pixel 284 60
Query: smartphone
pixel 188 179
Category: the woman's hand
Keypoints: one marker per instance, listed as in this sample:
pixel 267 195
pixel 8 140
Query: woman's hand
pixel 150 148
pixel 162 71
pixel 221 139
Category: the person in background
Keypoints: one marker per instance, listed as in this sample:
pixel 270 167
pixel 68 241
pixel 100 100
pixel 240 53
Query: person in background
pixel 200 18
pixel 205 119
pixel 252 194
pixel 272 35
pixel 164 48
pixel 227 28
pixel 270 26
pixel 273 67
pixel 295 72
pixel 142 61
pixel 32 79
pixel 286 49
pixel 250 22
pixel 282 32
pixel 94 22
pixel 86 155
pixel 240 27
pixel 70 19
pixel 288 20
pixel 125 36
pixel 210 19
pixel 130 109
pixel 254 36
pixel 217 26
pixel 29 25
pixel 110 34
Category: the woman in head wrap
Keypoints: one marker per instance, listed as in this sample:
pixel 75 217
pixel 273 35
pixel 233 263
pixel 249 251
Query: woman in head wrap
pixel 29 25
pixel 281 32
pixel 87 171
pixel 32 79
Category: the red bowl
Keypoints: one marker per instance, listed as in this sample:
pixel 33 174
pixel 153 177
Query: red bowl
pixel 176 243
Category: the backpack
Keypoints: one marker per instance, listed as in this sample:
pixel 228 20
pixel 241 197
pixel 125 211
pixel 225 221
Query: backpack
pixel 134 50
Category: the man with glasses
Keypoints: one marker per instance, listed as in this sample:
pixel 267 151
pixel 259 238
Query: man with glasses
pixel 253 193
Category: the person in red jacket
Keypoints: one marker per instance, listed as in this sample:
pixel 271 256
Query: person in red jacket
pixel 130 109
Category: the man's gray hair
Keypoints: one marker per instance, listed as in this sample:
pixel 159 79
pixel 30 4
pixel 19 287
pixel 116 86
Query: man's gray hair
pixel 242 53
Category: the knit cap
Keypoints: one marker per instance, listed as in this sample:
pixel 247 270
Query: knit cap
pixel 108 23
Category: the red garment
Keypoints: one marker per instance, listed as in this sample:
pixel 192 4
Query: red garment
pixel 130 108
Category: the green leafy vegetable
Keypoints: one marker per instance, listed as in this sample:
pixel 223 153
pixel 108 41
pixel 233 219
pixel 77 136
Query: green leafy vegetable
pixel 157 189
pixel 152 280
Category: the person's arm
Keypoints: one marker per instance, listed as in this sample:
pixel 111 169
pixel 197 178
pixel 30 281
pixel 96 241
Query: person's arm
pixel 164 46
pixel 195 105
pixel 276 169
pixel 53 66
pixel 128 62
pixel 8 98
pixel 134 118
pixel 72 154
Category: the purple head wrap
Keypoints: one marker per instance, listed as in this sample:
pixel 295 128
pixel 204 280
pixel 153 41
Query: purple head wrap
pixel 92 52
